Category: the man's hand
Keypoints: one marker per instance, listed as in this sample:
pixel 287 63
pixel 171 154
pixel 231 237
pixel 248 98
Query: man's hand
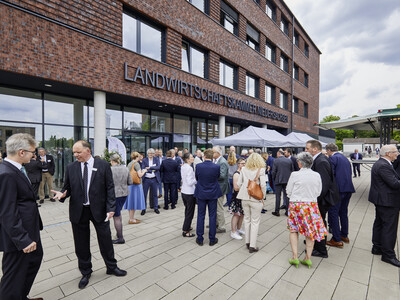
pixel 110 214
pixel 31 247
pixel 58 195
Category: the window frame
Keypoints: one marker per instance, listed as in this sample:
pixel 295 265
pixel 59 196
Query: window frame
pixel 306 79
pixel 285 25
pixel 190 46
pixel 272 93
pixel 235 74
pixel 205 6
pixel 295 105
pixel 252 39
pixel 306 50
pixel 283 100
pixel 256 85
pixel 226 13
pixel 296 72
pixel 285 65
pixel 269 5
pixel 268 44
pixel 305 110
pixel 296 38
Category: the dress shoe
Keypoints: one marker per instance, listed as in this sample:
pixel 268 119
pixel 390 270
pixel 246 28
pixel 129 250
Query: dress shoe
pixel 220 230
pixel 248 245
pixel 38 205
pixel 376 251
pixel 251 249
pixel 157 211
pixel 52 200
pixel 143 212
pixel 84 281
pixel 282 207
pixel 117 272
pixel 165 207
pixel 333 243
pixel 213 243
pixel 41 201
pixel 286 213
pixel 393 261
pixel 199 243
pixel 173 207
pixel 345 239
pixel 354 176
pixel 118 241
pixel 319 254
pixel 159 196
pixel 136 221
pixel 263 211
pixel 275 213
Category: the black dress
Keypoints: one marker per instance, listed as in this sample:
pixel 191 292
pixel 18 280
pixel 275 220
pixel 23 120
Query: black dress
pixel 236 204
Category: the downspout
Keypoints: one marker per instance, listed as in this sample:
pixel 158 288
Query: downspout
pixel 292 88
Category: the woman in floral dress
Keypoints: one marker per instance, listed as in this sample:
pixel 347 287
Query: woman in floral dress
pixel 236 208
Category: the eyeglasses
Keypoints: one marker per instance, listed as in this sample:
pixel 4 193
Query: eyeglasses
pixel 396 152
pixel 33 152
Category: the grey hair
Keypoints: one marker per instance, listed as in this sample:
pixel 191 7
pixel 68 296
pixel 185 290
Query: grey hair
pixel 41 148
pixel 305 159
pixel 116 158
pixel 20 141
pixel 218 149
pixel 151 150
pixel 385 149
pixel 332 147
pixel 244 152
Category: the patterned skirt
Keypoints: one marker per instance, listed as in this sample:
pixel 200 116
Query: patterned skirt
pixel 236 208
pixel 305 218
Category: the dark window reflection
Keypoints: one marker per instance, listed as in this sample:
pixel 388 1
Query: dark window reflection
pixel 181 124
pixel 136 119
pixel 8 129
pixel 64 110
pixel 160 122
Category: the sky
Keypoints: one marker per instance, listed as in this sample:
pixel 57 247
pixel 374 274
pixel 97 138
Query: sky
pixel 360 45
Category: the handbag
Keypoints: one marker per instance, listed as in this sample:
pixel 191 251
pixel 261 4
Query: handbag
pixel 134 175
pixel 254 189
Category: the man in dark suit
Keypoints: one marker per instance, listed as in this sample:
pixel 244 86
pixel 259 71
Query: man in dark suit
pixel 384 193
pixel 20 222
pixel 270 164
pixel 289 154
pixel 89 184
pixel 329 194
pixel 356 156
pixel 161 158
pixel 34 169
pixel 281 171
pixel 207 192
pixel 169 169
pixel 47 173
pixel 396 165
pixel 151 179
pixel 341 168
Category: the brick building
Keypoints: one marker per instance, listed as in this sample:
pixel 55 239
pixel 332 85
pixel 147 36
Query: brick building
pixel 154 73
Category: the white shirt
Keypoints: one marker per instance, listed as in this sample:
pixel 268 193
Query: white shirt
pixel 14 163
pixel 315 156
pixel 90 164
pixel 188 180
pixel 44 158
pixel 304 185
pixel 216 160
pixel 388 160
pixel 149 173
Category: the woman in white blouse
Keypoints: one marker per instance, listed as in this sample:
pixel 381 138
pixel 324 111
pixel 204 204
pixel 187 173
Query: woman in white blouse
pixel 303 188
pixel 187 191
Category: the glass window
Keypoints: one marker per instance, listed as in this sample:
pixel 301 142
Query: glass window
pixel 200 4
pixel 306 79
pixel 136 119
pixel 213 129
pixel 270 52
pixel 226 75
pixel 296 72
pixel 253 38
pixel 193 59
pixel 305 113
pixel 285 63
pixel 295 105
pixel 283 103
pixel 25 105
pixel 10 128
pixel 64 110
pixel 296 38
pixel 229 18
pixel 228 129
pixel 113 116
pixel 181 124
pixel 271 10
pixel 306 50
pixel 235 128
pixel 141 37
pixel 160 121
pixel 199 134
pixel 285 26
pixel 251 86
pixel 269 94
pixel 182 141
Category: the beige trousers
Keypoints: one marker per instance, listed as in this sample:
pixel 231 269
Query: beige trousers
pixel 221 213
pixel 46 179
pixel 252 217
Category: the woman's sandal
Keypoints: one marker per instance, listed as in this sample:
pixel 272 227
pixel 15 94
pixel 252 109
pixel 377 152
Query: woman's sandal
pixel 187 234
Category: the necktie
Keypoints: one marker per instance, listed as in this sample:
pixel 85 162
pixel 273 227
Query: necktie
pixel 23 170
pixel 85 182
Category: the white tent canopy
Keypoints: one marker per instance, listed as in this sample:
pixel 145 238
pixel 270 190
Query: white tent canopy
pixel 300 139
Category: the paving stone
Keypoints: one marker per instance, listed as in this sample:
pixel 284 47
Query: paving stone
pixel 361 256
pixel 177 278
pixel 140 283
pixel 208 277
pixel 207 260
pixel 349 290
pixel 52 294
pixel 186 291
pixel 153 262
pixel 268 275
pixel 179 262
pixel 384 270
pixel 218 291
pixel 326 272
pixel 357 272
pixel 151 293
pixel 383 289
pixel 283 290
pixel 121 293
pixel 86 293
pixel 250 290
pixel 316 290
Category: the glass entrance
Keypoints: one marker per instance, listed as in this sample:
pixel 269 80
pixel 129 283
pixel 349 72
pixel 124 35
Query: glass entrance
pixel 140 142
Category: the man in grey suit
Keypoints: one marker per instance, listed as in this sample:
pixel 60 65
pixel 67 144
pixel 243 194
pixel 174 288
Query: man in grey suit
pixel 223 182
pixel 281 171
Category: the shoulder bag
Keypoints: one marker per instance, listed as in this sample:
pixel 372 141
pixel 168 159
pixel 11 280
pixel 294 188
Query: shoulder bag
pixel 134 175
pixel 254 189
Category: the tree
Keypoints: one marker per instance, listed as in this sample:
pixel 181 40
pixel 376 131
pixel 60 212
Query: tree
pixel 340 133
pixel 330 118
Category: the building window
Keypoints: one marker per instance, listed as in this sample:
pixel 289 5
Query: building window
pixel 1 132
pixel 229 18
pixel 251 86
pixel 285 26
pixel 270 52
pixel 284 63
pixel 296 72
pixel 142 37
pixel 200 4
pixel 306 79
pixel 306 50
pixel 270 9
pixel 253 38
pixel 193 59
pixel 295 105
pixel 305 113
pixel 283 103
pixel 227 75
pixel 296 38
pixel 269 94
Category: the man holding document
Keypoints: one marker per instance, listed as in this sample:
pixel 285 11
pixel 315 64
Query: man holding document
pixel 89 184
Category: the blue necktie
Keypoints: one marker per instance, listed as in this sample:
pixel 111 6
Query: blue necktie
pixel 23 170
pixel 85 182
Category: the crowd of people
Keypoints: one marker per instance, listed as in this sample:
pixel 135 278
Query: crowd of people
pixel 316 188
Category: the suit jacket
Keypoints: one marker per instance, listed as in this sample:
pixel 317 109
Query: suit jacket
pixel 341 168
pixel 169 169
pixel 34 170
pixel 223 179
pixel 155 169
pixel 396 165
pixel 294 162
pixel 207 187
pixel 270 163
pixel 281 170
pixel 101 190
pixel 353 156
pixel 20 221
pixel 385 185
pixel 49 163
pixel 329 194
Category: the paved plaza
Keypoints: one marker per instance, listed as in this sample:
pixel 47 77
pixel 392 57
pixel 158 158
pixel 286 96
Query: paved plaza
pixel 161 264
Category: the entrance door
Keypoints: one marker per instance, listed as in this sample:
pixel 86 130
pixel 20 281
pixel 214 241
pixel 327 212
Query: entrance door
pixel 141 142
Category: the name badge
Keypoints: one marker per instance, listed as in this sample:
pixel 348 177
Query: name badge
pixel 94 169
pixel 49 160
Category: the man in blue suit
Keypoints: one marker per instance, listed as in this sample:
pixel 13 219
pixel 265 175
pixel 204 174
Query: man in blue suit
pixel 356 156
pixel 341 168
pixel 270 164
pixel 207 193
pixel 161 158
pixel 169 169
pixel 151 179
